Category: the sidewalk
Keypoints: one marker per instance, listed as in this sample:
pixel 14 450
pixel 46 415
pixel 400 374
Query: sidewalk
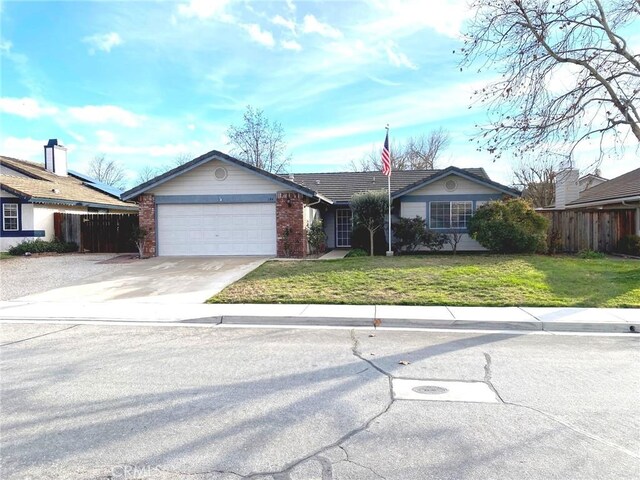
pixel 612 320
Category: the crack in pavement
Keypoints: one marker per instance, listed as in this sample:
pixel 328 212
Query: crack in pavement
pixel 487 375
pixel 488 381
pixel 38 336
pixel 284 473
pixel 348 460
pixel 207 472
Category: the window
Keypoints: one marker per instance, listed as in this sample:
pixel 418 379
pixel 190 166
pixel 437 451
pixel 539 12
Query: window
pixel 450 214
pixel 10 216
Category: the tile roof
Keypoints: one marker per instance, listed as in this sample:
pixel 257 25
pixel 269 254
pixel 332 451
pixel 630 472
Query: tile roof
pixel 340 186
pixel 41 186
pixel 624 186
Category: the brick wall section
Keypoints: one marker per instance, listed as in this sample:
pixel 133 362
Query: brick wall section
pixel 289 217
pixel 147 221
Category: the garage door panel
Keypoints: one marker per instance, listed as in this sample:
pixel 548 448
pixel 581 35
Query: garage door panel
pixel 232 229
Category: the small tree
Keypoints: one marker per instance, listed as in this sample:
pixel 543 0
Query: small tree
pixel 139 237
pixel 510 226
pixel 369 209
pixel 453 239
pixel 316 236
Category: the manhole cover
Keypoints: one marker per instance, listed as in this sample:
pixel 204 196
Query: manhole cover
pixel 430 390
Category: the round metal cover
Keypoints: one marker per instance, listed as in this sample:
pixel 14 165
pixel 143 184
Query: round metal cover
pixel 220 173
pixel 430 390
pixel 450 185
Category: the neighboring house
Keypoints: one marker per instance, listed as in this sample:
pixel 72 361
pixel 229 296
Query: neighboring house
pixel 218 205
pixel 620 193
pixel 31 193
pixel 590 180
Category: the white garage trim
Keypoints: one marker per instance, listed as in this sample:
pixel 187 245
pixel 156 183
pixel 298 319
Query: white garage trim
pixel 216 229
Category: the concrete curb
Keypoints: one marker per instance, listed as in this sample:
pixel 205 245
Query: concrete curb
pixel 546 319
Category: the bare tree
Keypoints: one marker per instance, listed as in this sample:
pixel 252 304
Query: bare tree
pixel 148 172
pixel 108 172
pixel 416 153
pixel 536 179
pixel 566 74
pixel 259 142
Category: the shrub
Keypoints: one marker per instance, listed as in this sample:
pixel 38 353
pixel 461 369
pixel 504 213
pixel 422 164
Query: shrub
pixel 316 237
pixel 410 233
pixel 590 254
pixel 357 252
pixel 40 246
pixel 510 226
pixel 629 244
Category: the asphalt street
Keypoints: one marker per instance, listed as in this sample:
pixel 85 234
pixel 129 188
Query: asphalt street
pixel 150 402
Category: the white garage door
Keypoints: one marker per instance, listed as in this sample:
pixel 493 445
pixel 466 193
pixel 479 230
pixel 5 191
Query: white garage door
pixel 236 229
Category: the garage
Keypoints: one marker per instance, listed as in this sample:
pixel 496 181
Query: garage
pixel 217 229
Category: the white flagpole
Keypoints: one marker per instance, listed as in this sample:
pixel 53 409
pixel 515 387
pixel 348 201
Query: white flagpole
pixel 389 251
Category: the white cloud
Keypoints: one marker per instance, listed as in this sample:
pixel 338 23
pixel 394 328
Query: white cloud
pixel 25 107
pixel 283 22
pixel 103 41
pixel 311 24
pixel 105 114
pixel 291 45
pixel 105 137
pixel 398 59
pixel 397 18
pixel 23 148
pixel 5 45
pixel 205 9
pixel 263 37
pixel 291 5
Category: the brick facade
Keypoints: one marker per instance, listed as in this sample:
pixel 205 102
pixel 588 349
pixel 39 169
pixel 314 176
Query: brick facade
pixel 147 221
pixel 292 241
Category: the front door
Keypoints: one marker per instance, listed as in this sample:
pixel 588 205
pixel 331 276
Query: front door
pixel 343 227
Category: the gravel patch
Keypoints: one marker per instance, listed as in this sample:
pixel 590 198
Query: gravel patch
pixel 22 276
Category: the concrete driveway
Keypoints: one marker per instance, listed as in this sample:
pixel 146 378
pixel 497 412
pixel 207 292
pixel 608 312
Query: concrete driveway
pixel 156 280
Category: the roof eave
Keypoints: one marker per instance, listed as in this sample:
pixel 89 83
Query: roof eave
pixel 595 203
pixel 207 157
pixel 13 191
pixel 76 203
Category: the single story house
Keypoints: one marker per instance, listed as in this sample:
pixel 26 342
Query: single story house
pixel 219 205
pixel 31 193
pixel 619 193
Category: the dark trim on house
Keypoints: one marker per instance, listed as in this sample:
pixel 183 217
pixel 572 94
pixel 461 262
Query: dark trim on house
pixel 19 170
pixel 14 201
pixel 210 199
pixel 21 233
pixel 467 197
pixel 207 157
pixel 17 193
pixel 459 172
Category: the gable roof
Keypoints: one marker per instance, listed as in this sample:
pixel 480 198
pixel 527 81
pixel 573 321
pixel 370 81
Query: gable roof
pixel 216 155
pixel 340 186
pixel 467 173
pixel 41 186
pixel 625 186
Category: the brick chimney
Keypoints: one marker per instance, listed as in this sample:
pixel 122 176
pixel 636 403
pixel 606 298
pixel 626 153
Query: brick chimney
pixel 567 188
pixel 55 158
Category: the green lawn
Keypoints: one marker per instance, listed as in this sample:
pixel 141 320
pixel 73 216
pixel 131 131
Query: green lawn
pixel 4 255
pixel 471 280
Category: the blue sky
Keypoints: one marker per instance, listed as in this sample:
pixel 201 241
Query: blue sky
pixel 145 82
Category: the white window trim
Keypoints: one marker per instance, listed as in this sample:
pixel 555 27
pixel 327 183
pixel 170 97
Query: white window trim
pixel 451 202
pixel 5 216
pixel 337 233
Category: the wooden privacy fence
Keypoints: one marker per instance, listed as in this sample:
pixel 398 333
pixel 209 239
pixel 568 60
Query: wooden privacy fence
pixel 97 232
pixel 598 230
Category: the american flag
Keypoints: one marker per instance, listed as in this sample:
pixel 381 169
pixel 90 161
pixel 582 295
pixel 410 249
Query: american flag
pixel 386 157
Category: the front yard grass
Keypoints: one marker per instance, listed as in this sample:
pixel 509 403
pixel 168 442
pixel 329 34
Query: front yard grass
pixel 462 280
pixel 4 255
